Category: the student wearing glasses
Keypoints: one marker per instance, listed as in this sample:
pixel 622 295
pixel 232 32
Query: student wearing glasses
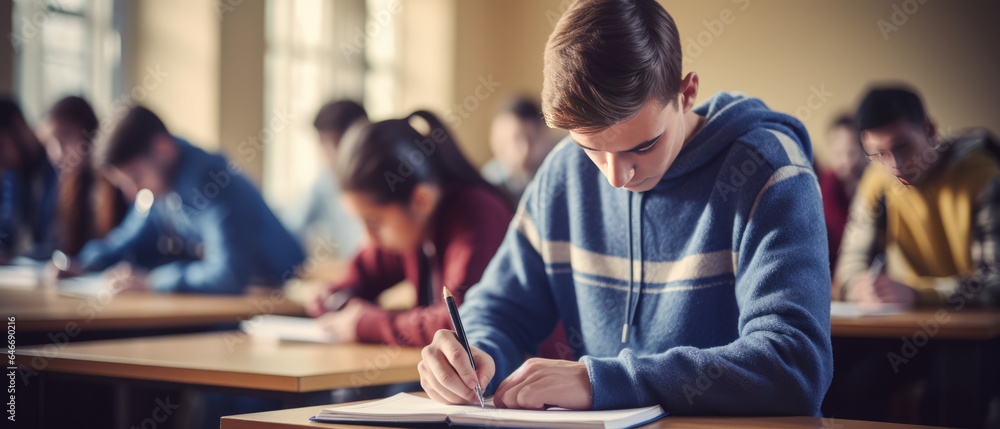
pixel 930 205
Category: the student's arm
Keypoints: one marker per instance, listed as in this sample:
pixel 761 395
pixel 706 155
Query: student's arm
pixel 135 238
pixel 511 310
pixel 8 210
pixel 982 287
pixel 469 251
pixel 781 364
pixel 226 254
pixel 864 234
pixel 372 271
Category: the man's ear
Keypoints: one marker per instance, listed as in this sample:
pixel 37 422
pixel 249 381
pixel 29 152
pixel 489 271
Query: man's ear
pixel 688 92
pixel 164 148
pixel 425 199
pixel 931 129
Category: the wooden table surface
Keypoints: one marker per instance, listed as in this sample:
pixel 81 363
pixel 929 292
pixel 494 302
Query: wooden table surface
pixel 231 359
pixel 951 325
pixel 297 418
pixel 49 310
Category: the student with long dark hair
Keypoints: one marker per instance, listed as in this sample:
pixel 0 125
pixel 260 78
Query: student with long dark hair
pixel 430 219
pixel 28 186
pixel 88 205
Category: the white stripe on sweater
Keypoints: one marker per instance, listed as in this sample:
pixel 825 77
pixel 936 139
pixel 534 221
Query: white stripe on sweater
pixel 690 267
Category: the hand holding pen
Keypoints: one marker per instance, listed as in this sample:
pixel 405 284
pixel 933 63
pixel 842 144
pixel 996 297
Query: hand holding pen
pixel 447 357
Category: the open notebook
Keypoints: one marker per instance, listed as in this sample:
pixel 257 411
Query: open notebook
pixel 406 408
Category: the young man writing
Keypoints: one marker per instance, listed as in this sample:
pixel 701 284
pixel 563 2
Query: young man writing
pixel 682 248
pixel 930 206
pixel 207 229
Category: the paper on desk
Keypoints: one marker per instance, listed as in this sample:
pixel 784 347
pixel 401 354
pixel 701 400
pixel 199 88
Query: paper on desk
pixel 275 327
pixel 852 309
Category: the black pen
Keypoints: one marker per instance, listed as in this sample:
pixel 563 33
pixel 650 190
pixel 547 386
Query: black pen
pixel 456 322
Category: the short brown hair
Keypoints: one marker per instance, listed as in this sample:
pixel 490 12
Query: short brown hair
pixel 131 138
pixel 337 116
pixel 605 60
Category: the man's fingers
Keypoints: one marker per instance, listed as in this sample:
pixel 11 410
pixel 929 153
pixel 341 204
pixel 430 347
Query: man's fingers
pixel 485 366
pixel 455 354
pixel 507 391
pixel 435 390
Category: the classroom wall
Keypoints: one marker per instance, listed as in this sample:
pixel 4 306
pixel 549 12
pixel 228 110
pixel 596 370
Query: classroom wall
pixel 6 49
pixel 211 58
pixel 241 84
pixel 783 51
pixel 174 65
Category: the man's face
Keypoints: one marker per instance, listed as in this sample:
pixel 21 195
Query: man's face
pixel 329 140
pixel 847 160
pixel 150 171
pixel 635 153
pixel 903 148
pixel 512 140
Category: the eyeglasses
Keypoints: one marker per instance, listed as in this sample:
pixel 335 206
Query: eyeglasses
pixel 901 151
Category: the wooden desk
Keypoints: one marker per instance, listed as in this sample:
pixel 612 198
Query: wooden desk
pixel 47 310
pixel 297 418
pixel 954 325
pixel 232 359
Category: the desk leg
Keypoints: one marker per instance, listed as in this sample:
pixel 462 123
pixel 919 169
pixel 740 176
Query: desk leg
pixel 122 405
pixel 41 399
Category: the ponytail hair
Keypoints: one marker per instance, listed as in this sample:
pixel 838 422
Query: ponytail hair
pixel 387 160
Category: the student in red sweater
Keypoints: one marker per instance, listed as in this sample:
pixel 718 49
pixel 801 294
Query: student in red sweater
pixel 430 218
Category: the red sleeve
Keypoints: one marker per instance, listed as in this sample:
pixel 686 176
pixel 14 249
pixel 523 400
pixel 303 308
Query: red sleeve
pixel 472 242
pixel 372 271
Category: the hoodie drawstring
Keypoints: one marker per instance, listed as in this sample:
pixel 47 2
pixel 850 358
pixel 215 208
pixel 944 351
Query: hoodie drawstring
pixel 630 304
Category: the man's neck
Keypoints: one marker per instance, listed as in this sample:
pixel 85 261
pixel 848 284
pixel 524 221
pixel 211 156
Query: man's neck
pixel 693 123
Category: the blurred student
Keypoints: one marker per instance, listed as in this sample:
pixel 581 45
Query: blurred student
pixel 431 219
pixel 682 247
pixel 838 182
pixel 322 221
pixel 196 225
pixel 930 206
pixel 88 205
pixel 520 140
pixel 28 189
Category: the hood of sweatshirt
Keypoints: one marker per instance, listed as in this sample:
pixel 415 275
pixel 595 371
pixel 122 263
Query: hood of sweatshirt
pixel 729 117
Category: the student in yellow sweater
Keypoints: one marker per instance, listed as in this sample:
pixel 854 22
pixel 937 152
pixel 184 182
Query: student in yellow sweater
pixel 929 206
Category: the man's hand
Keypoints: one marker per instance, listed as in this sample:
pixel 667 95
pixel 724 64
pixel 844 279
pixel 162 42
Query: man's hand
pixel 546 382
pixel 446 373
pixel 316 306
pixel 880 289
pixel 125 277
pixel 344 322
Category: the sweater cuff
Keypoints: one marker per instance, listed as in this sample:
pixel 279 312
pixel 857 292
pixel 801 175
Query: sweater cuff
pixel 609 384
pixel 375 327
pixel 166 278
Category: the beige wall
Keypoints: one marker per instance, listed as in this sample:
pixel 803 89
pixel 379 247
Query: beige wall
pixel 241 84
pixel 778 50
pixel 213 58
pixel 181 38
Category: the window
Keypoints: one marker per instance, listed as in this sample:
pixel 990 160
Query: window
pixel 319 51
pixel 67 47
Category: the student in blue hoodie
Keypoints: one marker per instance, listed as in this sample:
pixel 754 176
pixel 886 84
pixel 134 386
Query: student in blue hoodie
pixel 206 229
pixel 683 248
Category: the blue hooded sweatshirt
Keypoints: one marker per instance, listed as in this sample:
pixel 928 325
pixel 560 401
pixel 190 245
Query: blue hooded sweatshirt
pixel 726 307
pixel 212 233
